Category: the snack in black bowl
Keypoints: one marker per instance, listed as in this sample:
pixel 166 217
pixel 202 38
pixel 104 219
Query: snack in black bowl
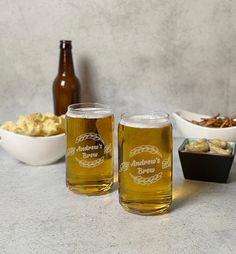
pixel 206 160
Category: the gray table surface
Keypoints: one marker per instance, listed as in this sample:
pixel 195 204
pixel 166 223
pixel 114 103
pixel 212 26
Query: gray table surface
pixel 38 214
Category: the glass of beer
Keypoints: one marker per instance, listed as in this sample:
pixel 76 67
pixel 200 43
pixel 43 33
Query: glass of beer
pixel 89 156
pixel 145 162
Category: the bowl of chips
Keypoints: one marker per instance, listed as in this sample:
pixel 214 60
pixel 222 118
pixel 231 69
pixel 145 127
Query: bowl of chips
pixel 35 139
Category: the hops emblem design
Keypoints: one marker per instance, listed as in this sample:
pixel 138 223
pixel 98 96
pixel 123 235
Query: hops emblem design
pixel 145 148
pixel 146 180
pixel 124 166
pixel 91 135
pixel 90 164
pixel 70 151
pixel 166 163
pixel 107 149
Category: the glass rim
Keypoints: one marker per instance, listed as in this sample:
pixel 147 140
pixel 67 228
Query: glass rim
pixel 87 105
pixel 152 119
pixel 157 115
pixel 89 110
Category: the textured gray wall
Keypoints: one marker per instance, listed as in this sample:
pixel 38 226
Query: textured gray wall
pixel 143 54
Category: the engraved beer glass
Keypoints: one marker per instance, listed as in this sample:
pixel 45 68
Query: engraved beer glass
pixel 145 162
pixel 89 156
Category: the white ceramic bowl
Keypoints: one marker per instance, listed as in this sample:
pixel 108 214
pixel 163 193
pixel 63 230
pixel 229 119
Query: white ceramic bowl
pixel 33 150
pixel 190 130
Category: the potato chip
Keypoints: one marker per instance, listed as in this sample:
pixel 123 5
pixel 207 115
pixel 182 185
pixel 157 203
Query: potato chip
pixel 37 124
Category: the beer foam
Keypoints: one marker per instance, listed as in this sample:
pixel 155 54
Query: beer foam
pixel 145 121
pixel 89 113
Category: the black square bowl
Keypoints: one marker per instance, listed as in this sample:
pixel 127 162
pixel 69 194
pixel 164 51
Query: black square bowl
pixel 204 166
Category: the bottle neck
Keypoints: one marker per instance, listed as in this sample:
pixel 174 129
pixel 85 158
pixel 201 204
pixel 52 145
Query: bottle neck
pixel 66 62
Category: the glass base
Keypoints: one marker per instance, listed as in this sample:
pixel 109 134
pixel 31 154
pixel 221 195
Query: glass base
pixel 90 189
pixel 145 208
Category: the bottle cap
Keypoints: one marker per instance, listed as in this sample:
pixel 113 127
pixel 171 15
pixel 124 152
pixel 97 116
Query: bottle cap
pixel 65 44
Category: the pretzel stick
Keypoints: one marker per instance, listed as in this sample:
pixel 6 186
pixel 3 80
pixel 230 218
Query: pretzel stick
pixel 224 123
pixel 233 117
pixel 209 122
pixel 210 118
pixel 216 121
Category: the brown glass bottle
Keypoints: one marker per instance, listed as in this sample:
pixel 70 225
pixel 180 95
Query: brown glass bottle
pixel 66 86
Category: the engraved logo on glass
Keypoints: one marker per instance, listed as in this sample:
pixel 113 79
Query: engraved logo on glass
pixel 88 152
pixel 144 166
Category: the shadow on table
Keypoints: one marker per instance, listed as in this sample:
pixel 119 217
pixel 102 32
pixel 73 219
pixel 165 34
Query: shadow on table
pixel 114 187
pixel 185 191
pixel 232 174
pixel 62 160
pixel 115 183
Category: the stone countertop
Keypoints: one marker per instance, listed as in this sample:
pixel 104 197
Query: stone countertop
pixel 38 214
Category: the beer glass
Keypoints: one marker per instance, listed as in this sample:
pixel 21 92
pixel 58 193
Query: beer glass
pixel 145 162
pixel 89 156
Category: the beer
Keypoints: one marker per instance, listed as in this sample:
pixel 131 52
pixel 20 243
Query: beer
pixel 145 163
pixel 66 86
pixel 89 157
